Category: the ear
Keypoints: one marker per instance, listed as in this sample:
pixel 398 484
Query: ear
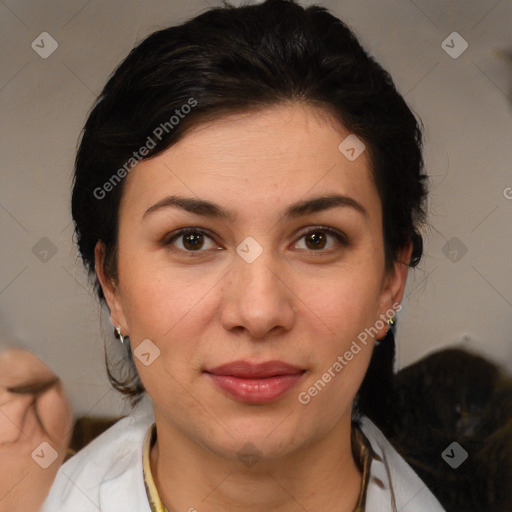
pixel 394 285
pixel 110 290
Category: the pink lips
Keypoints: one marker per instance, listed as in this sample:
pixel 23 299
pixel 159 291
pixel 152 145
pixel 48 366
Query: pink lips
pixel 255 383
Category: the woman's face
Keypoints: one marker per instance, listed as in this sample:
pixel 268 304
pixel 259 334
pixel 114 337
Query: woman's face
pixel 262 285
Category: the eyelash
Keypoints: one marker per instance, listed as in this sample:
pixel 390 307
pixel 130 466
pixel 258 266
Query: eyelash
pixel 340 237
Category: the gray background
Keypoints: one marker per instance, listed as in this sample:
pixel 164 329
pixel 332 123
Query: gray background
pixel 46 304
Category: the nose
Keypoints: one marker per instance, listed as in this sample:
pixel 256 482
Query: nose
pixel 258 297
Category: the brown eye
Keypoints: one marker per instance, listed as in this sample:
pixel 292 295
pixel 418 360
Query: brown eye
pixel 316 239
pixel 192 240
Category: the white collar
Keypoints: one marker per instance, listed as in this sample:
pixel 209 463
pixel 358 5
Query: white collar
pixel 393 485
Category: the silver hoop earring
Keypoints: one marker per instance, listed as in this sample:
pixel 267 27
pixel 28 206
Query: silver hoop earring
pixel 120 337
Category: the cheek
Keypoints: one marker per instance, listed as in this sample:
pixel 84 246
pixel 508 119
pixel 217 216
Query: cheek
pixel 158 298
pixel 342 348
pixel 172 308
pixel 347 303
pixel 340 312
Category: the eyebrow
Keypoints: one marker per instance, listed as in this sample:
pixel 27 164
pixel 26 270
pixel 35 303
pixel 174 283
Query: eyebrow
pixel 298 209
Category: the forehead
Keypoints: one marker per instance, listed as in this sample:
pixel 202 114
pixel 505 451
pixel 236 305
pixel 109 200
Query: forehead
pixel 253 159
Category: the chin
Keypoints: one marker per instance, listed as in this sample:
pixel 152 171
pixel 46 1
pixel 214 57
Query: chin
pixel 271 436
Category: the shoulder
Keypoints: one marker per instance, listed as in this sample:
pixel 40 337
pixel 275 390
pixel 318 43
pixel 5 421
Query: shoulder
pixel 99 475
pixel 393 484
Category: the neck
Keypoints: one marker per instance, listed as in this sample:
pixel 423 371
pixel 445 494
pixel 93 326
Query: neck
pixel 320 476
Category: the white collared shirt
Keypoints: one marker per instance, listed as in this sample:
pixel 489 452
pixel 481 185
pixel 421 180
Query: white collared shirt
pixel 393 485
pixel 107 476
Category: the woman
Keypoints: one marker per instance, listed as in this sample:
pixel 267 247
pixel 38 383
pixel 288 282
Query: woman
pixel 248 193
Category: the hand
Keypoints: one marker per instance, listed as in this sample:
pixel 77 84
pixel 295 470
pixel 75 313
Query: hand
pixel 33 410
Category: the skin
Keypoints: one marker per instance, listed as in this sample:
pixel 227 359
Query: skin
pixel 292 304
pixel 24 484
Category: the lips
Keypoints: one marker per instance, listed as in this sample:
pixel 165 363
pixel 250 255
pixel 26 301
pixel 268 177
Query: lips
pixel 255 383
pixel 246 370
